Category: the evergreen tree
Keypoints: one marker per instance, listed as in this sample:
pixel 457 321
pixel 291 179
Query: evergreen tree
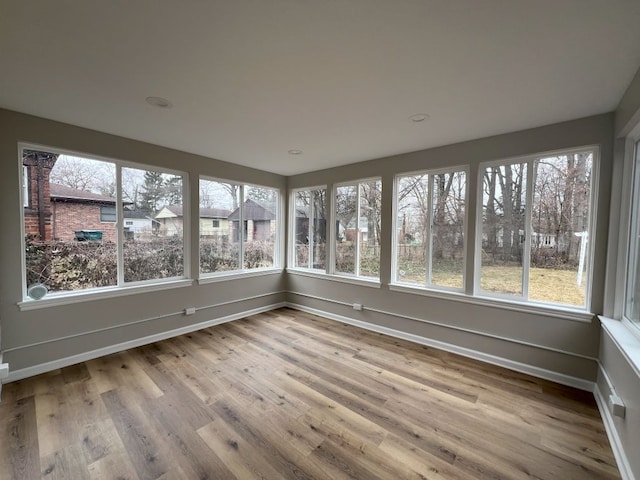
pixel 152 194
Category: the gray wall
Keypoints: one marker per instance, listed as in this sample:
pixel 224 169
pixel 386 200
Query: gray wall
pixel 617 373
pixel 616 370
pixel 78 323
pixel 566 347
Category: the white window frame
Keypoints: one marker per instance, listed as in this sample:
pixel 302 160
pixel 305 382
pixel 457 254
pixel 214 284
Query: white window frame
pixel 121 287
pixel 333 246
pixel 25 186
pixel 277 246
pixel 630 230
pixel 530 160
pixel 292 230
pixel 394 243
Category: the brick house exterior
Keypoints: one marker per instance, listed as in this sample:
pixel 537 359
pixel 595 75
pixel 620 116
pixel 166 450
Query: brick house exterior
pixel 74 210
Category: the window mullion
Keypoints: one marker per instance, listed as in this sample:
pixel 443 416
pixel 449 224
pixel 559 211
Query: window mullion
pixel 429 225
pixel 357 253
pixel 119 228
pixel 528 230
pixel 310 231
pixel 241 230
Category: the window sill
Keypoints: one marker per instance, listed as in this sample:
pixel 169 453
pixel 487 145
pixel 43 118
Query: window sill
pixel 69 298
pixel 226 276
pixel 557 312
pixel 364 282
pixel 625 339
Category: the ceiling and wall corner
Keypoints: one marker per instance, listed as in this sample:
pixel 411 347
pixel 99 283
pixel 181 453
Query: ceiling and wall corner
pixel 250 80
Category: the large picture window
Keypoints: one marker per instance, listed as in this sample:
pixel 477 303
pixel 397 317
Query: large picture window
pixel 72 220
pixel 536 228
pixel 238 226
pixel 358 217
pixel 309 228
pixel 430 229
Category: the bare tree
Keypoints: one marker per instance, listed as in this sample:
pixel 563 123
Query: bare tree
pixel 84 174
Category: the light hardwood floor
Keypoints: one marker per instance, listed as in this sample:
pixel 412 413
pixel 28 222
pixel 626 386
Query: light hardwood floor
pixel 290 395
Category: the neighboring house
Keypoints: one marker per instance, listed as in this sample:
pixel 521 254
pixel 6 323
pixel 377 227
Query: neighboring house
pixel 74 210
pixel 56 212
pixel 138 224
pixel 170 221
pixel 302 227
pixel 349 233
pixel 259 222
pixel 213 221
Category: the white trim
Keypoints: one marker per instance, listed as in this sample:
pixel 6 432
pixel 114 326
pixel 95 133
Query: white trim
pixel 465 352
pixel 237 274
pixel 361 281
pixel 454 327
pixel 615 441
pixel 496 302
pixel 83 357
pixel 624 340
pixel 101 293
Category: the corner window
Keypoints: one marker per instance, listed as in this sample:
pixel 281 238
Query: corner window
pixel 430 229
pixel 536 228
pixel 71 235
pixel 632 294
pixel 358 216
pixel 309 228
pixel 238 226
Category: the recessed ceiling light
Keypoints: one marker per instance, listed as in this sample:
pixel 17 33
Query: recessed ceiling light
pixel 419 117
pixel 159 102
pixel 294 151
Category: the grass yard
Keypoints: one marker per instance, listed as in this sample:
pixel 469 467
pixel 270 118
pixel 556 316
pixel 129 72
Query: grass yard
pixel 545 284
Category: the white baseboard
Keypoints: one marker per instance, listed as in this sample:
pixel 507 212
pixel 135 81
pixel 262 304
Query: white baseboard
pixel 466 352
pixel 100 352
pixel 610 427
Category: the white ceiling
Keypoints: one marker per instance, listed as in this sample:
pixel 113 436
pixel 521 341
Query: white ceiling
pixel 338 79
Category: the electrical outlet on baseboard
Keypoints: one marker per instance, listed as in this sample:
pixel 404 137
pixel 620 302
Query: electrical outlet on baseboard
pixel 4 370
pixel 190 310
pixel 357 306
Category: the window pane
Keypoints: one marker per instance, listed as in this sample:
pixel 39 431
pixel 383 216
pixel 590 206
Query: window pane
pixel 369 225
pixel 503 236
pixel 68 248
pixel 260 209
pixel 319 229
pixel 560 229
pixel 219 203
pixel 301 228
pixel 346 212
pixel 412 224
pixel 108 213
pixel 310 229
pixel 447 229
pixel 158 251
pixel 632 307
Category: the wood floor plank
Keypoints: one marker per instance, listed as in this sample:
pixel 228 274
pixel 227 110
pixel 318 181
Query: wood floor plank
pixel 21 454
pixel 289 395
